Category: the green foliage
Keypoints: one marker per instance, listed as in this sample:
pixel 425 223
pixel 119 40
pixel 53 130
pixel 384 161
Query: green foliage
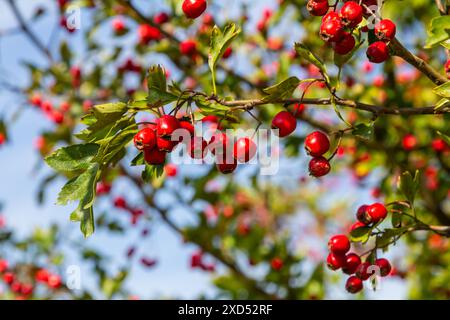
pixel 409 185
pixel 438 31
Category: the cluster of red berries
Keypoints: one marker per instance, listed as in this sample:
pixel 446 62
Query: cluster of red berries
pixel 369 215
pixel 25 290
pixel 194 8
pixel 135 213
pixel 197 261
pixel 338 25
pixel 54 114
pixel 316 145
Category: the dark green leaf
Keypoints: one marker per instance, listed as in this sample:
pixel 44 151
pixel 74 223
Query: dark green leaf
pixel 408 185
pixel 282 90
pixel 73 158
pixel 360 234
pixel 363 130
pixel 157 88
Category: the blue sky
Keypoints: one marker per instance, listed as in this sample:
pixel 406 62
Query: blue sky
pixel 172 277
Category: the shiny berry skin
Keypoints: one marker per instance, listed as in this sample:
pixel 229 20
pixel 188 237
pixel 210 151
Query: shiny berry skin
pixel 197 148
pixel 166 125
pixel 409 142
pixel 345 45
pixel 354 285
pixel 317 7
pixel 351 14
pixel 8 277
pixel 188 47
pixel 244 150
pixel 439 145
pixel 376 212
pixel 227 53
pixel 384 265
pixel 352 262
pixel 378 52
pixel 361 213
pixel 357 225
pixel 194 8
pixel 319 167
pixel 331 30
pixel 54 281
pixel 165 144
pixel 145 138
pixel 332 15
pixel 154 156
pixel 335 261
pixel 317 144
pixel 285 122
pixel 187 126
pixel 385 30
pixel 3 265
pixel 219 143
pixel 339 244
pixel 276 264
pixel 226 167
pixel 362 272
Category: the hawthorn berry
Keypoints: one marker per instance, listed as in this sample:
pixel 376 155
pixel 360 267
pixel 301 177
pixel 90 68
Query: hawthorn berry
pixel 352 262
pixel 317 144
pixel 154 156
pixel 165 144
pixel 332 15
pixel 187 126
pixel 194 8
pixel 378 52
pixel 244 149
pixel 276 264
pixel 385 30
pixel 345 45
pixel 226 165
pixel 376 212
pixel 331 30
pixel 384 265
pixel 409 142
pixel 362 271
pixel 2 138
pixel 351 14
pixel 353 284
pixel 285 122
pixel 54 281
pixel 439 145
pixel 361 213
pixel 3 265
pixel 42 275
pixel 219 143
pixel 447 68
pixel 27 289
pixel 145 138
pixel 148 33
pixel 196 148
pixel 317 7
pixel 357 225
pixel 188 47
pixel 8 277
pixel 335 261
pixel 170 170
pixel 118 25
pixel 339 244
pixel 166 125
pixel 120 202
pixel 161 18
pixel 16 287
pixel 227 53
pixel 319 167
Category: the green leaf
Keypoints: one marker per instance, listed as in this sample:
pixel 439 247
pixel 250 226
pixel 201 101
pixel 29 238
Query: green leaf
pixel 444 102
pixel 388 236
pixel 306 54
pixel 363 130
pixel 408 185
pixel 445 137
pixel 360 234
pixel 282 90
pixel 152 172
pixel 79 187
pixel 211 108
pixel 220 41
pixel 438 31
pixel 138 160
pixel 73 158
pixel 65 53
pixel 443 90
pixel 114 145
pixel 396 219
pixel 157 88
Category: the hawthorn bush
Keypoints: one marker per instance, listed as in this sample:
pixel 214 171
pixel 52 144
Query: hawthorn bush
pixel 355 92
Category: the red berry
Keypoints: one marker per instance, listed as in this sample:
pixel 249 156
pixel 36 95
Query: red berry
pixel 3 265
pixel 166 125
pixel 227 53
pixel 42 275
pixel 353 284
pixel 171 170
pixel 165 144
pixel 439 145
pixel 351 14
pixel 148 33
pixel 447 68
pixel 362 272
pixel 317 7
pixel 36 100
pixel 385 30
pixel 285 122
pixel 194 8
pixel 118 25
pixel 276 264
pixel 377 52
pixel 299 108
pixel 219 143
pixel 384 265
pixel 188 126
pixel 226 165
pixel 154 156
pixel 409 142
pixel 54 281
pixel 345 45
pixel 8 277
pixel 196 259
pixel 244 149
pixel 145 139
pixel 147 262
pixel 361 213
pixel 188 47
pixel 16 287
pixel 331 30
pixel 317 144
pixel 357 225
pixel 352 262
pixel 161 18
pixel 27 289
pixel 376 212
pixel 57 117
pixel 196 148
pixel 319 167
pixel 120 202
pixel 335 261
pixel 339 244
pixel 332 15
